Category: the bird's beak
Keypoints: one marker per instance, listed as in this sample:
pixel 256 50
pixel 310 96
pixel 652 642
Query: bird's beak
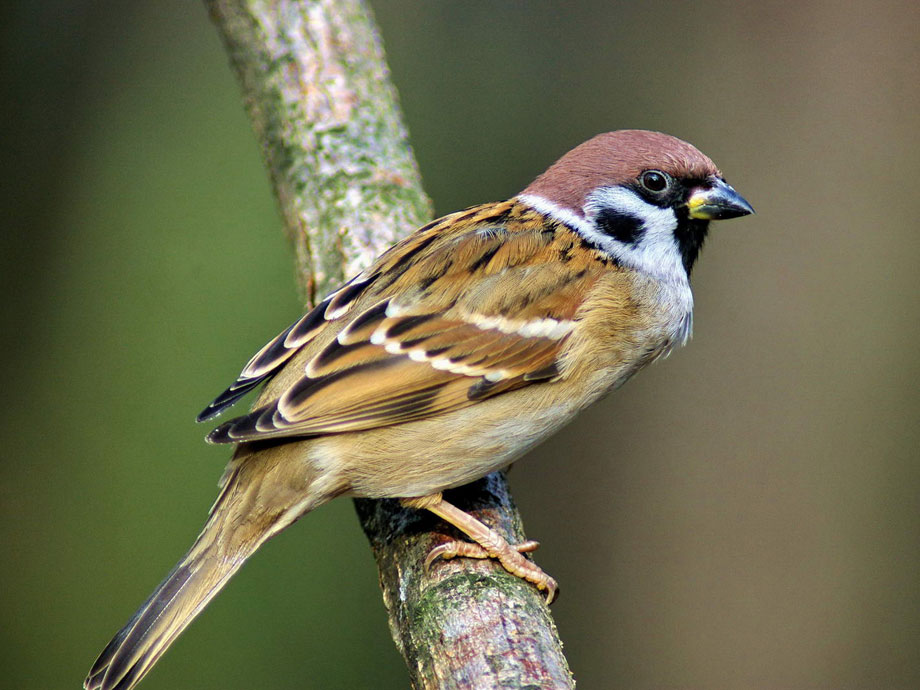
pixel 717 201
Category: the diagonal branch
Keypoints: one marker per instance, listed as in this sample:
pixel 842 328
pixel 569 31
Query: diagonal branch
pixel 317 90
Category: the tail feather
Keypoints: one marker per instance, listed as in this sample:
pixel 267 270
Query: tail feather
pixel 263 491
pixel 168 611
pixel 108 654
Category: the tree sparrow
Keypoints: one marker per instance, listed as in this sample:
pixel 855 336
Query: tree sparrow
pixel 461 348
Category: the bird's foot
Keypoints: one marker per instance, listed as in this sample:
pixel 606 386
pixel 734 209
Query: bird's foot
pixel 509 555
pixel 487 543
pixel 468 549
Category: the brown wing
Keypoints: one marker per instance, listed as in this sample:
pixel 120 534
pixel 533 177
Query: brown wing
pixel 398 261
pixel 471 315
pixel 269 360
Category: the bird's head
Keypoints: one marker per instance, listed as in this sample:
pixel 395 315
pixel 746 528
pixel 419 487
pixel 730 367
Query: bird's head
pixel 645 198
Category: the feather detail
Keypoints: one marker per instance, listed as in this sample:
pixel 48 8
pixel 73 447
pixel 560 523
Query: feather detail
pixel 274 354
pixel 466 308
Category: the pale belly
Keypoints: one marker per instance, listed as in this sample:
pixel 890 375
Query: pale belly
pixel 420 458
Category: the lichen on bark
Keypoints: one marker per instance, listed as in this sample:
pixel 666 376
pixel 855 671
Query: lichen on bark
pixel 326 117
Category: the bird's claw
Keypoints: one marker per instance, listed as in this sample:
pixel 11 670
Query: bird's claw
pixel 510 559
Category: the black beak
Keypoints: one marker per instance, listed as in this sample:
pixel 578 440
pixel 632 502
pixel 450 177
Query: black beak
pixel 717 201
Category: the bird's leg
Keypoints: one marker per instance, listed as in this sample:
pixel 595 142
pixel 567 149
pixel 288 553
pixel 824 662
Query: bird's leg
pixel 488 544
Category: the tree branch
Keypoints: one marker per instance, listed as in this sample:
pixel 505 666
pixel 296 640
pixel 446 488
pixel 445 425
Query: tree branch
pixel 326 117
pixel 317 90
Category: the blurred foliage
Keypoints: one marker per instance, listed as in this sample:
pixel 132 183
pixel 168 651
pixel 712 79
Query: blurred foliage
pixel 744 515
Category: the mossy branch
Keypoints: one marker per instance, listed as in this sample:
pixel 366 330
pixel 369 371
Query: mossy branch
pixel 317 90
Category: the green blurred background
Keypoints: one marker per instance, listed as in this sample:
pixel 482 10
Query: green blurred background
pixel 745 514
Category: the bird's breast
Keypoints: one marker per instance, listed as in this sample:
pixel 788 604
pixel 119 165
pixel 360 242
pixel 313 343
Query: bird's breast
pixel 627 321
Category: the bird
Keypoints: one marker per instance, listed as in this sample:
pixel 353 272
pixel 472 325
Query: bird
pixel 456 351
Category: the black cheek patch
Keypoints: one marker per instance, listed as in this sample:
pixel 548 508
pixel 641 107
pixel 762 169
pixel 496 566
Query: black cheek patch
pixel 623 227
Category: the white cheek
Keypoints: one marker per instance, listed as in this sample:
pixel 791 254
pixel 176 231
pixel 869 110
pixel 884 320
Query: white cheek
pixel 657 252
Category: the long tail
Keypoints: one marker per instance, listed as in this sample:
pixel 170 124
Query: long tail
pixel 238 525
pixel 172 606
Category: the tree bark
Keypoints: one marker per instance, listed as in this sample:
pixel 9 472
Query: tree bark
pixel 317 89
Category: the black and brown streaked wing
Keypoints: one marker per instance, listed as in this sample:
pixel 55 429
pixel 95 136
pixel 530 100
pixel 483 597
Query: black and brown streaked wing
pixel 393 264
pixel 406 368
pixel 483 307
pixel 274 354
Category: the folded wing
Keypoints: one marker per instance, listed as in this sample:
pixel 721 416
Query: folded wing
pixel 459 312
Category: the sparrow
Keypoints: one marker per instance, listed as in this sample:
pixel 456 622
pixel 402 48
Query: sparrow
pixel 459 349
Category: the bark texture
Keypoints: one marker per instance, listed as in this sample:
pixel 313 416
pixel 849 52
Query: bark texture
pixel 317 90
pixel 326 116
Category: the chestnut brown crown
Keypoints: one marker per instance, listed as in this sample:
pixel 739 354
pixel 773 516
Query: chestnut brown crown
pixel 616 158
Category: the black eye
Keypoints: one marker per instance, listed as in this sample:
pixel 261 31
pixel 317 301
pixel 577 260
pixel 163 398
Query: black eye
pixel 654 180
